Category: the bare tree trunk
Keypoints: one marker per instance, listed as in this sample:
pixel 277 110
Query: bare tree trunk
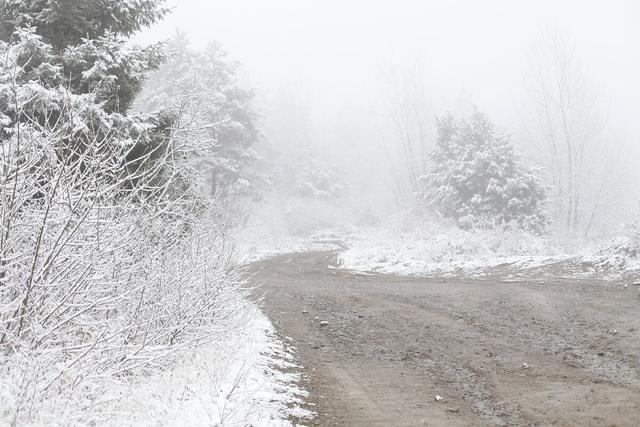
pixel 407 110
pixel 563 109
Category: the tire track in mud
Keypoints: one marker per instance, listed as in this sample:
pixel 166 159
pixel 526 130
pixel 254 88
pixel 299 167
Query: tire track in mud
pixel 500 353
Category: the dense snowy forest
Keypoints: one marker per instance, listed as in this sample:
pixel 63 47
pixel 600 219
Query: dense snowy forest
pixel 149 160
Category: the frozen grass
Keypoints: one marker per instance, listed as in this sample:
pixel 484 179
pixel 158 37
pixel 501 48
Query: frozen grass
pixel 245 377
pixel 407 245
pixel 619 256
pixel 411 246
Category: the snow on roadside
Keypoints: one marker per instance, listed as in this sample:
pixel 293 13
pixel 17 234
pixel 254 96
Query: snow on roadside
pixel 616 257
pixel 431 248
pixel 261 242
pixel 410 247
pixel 293 225
pixel 245 377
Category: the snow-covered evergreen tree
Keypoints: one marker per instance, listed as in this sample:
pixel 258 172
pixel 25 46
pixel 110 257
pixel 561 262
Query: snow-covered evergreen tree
pixel 479 180
pixel 64 23
pixel 69 63
pixel 208 83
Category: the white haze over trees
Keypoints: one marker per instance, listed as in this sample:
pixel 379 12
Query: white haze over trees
pixel 365 81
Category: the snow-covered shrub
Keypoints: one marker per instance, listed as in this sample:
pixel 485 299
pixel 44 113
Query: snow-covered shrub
pixel 111 257
pixel 99 279
pixel 618 255
pixel 478 179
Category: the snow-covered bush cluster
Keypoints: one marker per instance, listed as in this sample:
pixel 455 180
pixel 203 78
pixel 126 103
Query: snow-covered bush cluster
pixel 113 257
pixel 620 255
pixel 478 179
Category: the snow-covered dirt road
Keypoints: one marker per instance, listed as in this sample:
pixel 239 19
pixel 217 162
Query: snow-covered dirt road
pixel 378 349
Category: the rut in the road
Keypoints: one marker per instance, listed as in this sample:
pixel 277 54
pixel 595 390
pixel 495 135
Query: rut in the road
pixel 499 353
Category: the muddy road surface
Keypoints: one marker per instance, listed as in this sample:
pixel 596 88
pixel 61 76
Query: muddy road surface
pixel 378 349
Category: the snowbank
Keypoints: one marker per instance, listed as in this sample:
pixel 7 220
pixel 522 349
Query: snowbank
pixel 261 243
pixel 426 247
pixel 412 247
pixel 243 376
pixel 615 257
pixel 247 377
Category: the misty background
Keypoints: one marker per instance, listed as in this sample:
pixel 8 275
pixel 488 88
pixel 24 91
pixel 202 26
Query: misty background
pixel 329 74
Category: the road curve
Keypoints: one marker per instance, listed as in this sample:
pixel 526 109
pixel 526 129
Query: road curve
pixel 498 353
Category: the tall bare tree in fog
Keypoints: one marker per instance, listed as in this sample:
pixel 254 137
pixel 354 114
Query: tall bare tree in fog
pixel 566 120
pixel 411 119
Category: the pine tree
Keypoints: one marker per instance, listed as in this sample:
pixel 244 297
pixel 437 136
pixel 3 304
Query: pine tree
pixel 68 62
pixel 88 40
pixel 478 179
pixel 63 23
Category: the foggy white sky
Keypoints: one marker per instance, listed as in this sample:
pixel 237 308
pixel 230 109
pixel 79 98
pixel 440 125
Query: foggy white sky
pixel 335 50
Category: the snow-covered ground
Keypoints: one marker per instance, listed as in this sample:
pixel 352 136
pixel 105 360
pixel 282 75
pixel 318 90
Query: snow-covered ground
pixel 619 256
pixel 246 377
pixel 433 248
pixel 260 242
pixel 405 246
